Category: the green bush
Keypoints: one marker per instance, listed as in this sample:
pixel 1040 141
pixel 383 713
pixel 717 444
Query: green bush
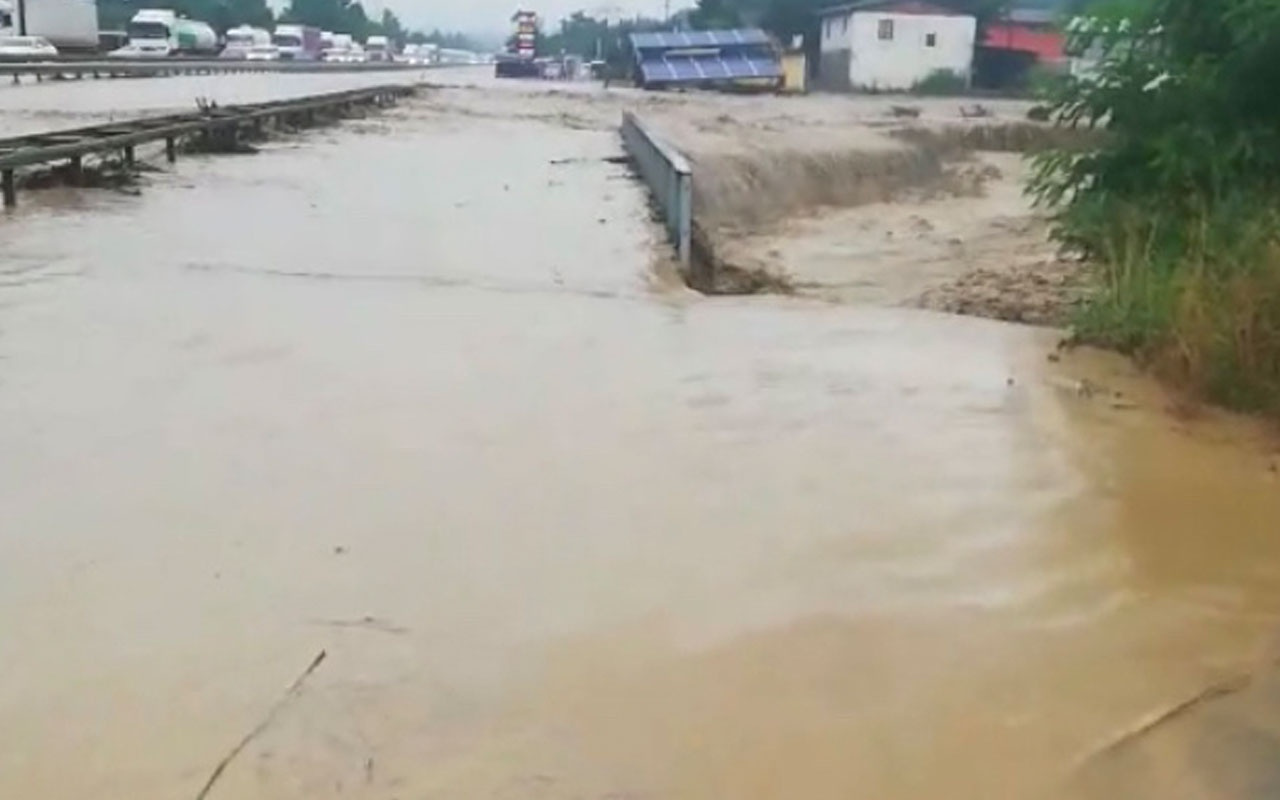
pixel 1179 208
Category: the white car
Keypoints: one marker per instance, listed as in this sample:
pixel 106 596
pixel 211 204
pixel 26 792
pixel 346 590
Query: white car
pixel 263 52
pixel 148 50
pixel 335 55
pixel 26 48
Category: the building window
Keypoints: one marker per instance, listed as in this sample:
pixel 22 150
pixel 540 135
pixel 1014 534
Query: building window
pixel 886 30
pixel 931 40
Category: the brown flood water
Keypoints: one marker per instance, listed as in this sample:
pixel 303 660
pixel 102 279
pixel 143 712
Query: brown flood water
pixel 407 392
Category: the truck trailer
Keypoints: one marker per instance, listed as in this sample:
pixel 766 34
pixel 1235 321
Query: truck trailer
pixel 160 33
pixel 70 25
pixel 298 42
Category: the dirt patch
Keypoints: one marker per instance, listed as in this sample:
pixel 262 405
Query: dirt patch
pixel 1045 293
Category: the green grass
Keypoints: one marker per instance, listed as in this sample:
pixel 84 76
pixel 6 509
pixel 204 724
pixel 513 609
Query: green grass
pixel 1195 298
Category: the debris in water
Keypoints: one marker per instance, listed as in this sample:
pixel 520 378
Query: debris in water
pixel 975 111
pixel 366 622
pixel 1149 723
pixel 289 694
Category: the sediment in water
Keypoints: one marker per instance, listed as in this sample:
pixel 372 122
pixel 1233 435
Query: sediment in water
pixel 744 194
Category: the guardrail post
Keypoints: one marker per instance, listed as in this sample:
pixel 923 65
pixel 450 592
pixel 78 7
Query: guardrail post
pixel 76 171
pixel 171 148
pixel 9 187
pixel 128 155
pixel 684 217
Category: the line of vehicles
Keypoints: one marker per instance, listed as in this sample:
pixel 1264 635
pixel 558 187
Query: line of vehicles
pixel 40 29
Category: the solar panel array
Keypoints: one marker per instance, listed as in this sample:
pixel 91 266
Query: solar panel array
pixel 727 55
pixel 681 69
pixel 672 40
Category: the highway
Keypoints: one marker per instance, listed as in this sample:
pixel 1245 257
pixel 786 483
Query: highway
pixel 54 105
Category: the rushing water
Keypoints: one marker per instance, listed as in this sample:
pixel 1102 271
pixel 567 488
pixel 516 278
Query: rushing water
pixel 409 392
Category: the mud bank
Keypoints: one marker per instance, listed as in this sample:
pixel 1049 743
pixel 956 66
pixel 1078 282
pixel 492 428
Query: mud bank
pixel 933 216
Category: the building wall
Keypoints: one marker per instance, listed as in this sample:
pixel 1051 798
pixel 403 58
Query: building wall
pixel 920 45
pixel 834 53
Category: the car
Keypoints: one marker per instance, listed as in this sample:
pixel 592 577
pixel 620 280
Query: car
pixel 263 52
pixel 335 55
pixel 147 50
pixel 26 48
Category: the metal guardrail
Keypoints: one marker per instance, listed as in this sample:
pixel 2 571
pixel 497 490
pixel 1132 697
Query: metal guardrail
pixel 75 143
pixel 157 67
pixel 670 179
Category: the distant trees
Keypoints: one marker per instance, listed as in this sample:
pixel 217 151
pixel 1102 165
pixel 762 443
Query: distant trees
pixel 221 14
pixel 583 35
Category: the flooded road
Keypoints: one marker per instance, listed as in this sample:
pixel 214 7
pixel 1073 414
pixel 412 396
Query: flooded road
pixel 59 104
pixel 412 392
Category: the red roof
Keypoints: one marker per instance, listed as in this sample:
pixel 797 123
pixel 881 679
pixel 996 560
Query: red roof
pixel 1047 45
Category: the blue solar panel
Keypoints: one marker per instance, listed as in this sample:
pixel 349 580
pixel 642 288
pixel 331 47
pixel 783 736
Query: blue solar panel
pixel 692 69
pixel 673 40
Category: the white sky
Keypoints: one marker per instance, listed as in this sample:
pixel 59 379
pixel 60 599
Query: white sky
pixel 493 16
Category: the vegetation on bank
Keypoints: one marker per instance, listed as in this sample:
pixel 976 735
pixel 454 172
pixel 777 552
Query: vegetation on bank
pixel 1179 210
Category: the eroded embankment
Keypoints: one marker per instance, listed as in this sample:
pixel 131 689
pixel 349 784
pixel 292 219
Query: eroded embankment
pixel 934 216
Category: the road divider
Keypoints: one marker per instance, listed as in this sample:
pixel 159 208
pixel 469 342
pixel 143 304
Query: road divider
pixel 163 67
pixel 222 126
pixel 669 177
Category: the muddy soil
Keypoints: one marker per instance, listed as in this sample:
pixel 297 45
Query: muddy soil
pixel 841 199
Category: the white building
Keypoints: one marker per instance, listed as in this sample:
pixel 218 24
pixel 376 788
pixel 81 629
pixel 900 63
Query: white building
pixel 892 45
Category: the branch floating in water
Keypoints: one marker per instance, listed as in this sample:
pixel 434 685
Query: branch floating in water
pixel 289 694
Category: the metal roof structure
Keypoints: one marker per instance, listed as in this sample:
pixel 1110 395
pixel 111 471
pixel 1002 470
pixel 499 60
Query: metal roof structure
pixel 696 69
pixel 674 40
pixel 671 57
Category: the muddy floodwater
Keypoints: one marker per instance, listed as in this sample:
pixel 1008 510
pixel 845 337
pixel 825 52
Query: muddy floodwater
pixel 417 392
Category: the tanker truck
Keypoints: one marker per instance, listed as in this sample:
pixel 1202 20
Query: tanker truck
pixel 69 25
pixel 160 33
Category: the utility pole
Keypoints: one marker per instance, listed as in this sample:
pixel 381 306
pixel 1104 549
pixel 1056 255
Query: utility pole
pixel 22 17
pixel 666 12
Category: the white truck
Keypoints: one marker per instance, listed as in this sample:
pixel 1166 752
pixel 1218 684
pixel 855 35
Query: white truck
pixel 160 33
pixel 70 25
pixel 298 42
pixel 243 39
pixel 379 48
pixel 340 49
